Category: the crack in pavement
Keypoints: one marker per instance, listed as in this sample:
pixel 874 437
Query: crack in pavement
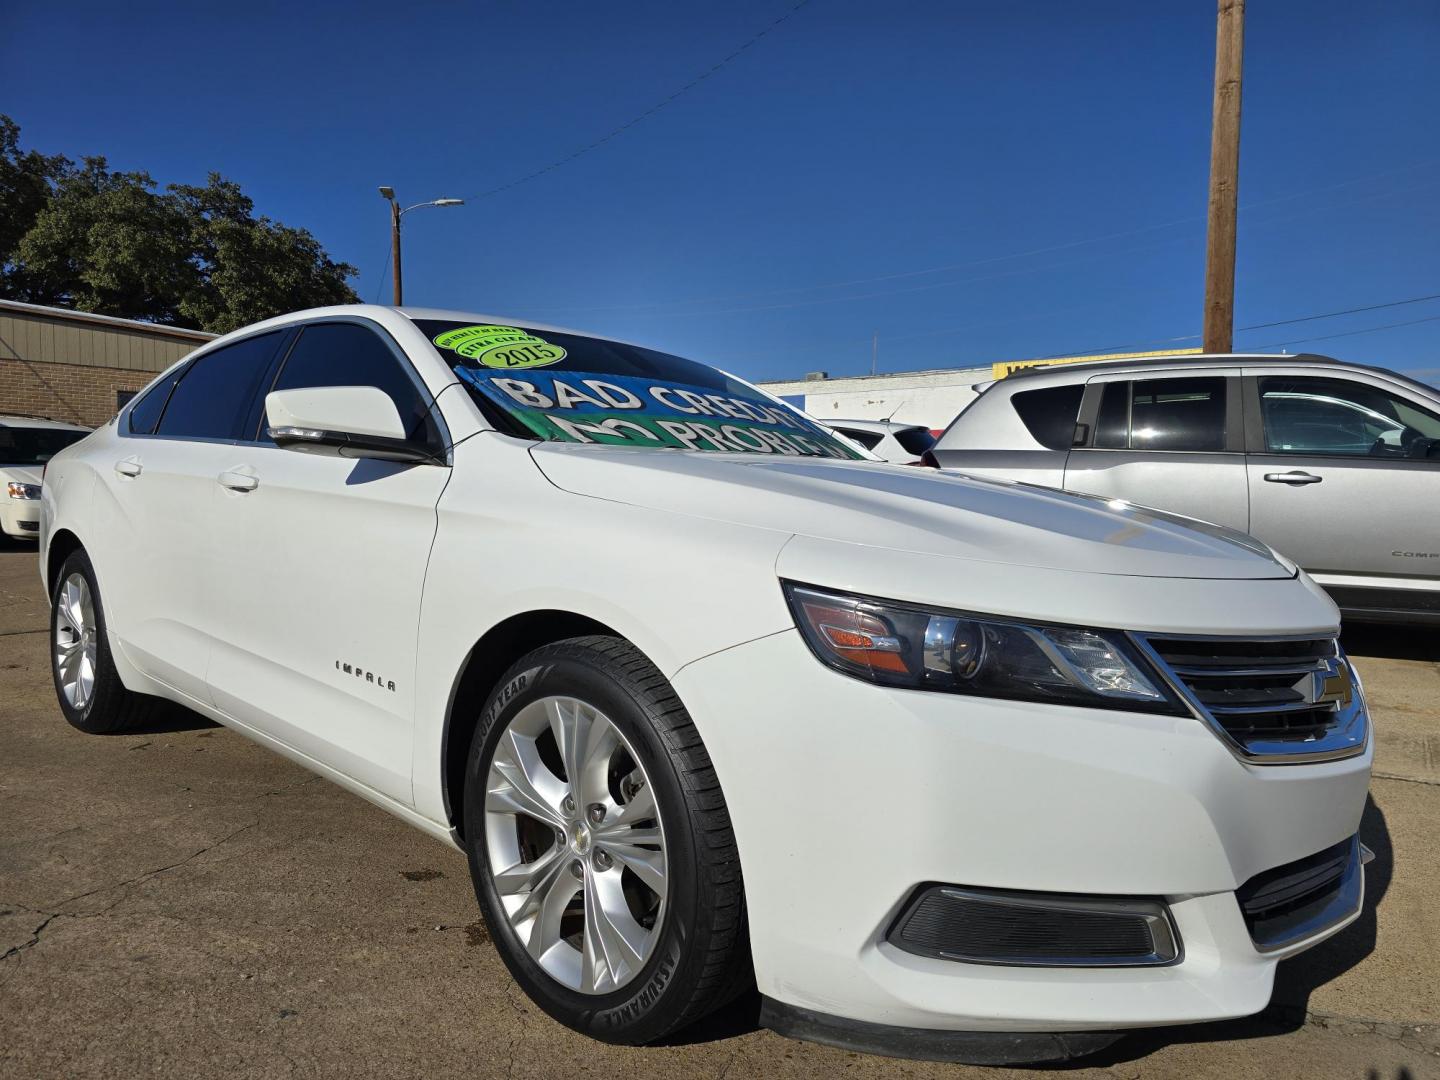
pixel 1403 779
pixel 51 916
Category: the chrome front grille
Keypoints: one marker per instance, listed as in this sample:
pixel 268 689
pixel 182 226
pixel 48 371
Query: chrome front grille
pixel 1275 700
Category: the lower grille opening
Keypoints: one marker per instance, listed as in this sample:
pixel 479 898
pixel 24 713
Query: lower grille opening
pixel 986 926
pixel 1302 898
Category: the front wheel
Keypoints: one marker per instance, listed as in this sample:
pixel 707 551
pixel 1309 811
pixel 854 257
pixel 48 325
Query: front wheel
pixel 600 846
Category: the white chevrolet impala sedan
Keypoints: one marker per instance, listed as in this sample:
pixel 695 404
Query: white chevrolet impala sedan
pixel 949 768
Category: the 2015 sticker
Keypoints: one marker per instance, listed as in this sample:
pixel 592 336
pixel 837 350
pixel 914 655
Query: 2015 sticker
pixel 503 347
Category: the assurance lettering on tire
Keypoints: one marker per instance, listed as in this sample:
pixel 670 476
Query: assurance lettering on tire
pixel 503 347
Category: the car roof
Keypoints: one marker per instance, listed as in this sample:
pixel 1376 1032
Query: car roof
pixel 882 426
pixel 1142 363
pixel 22 420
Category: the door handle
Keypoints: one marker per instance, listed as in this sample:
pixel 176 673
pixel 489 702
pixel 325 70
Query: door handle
pixel 1294 479
pixel 129 466
pixel 238 481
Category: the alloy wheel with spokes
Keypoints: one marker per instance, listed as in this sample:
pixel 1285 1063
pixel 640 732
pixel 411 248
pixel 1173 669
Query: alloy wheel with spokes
pixel 76 642
pixel 575 844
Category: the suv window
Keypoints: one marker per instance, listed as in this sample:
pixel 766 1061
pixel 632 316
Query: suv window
pixel 1310 415
pixel 915 440
pixel 1163 414
pixel 345 354
pixel 1049 413
pixel 213 396
pixel 868 439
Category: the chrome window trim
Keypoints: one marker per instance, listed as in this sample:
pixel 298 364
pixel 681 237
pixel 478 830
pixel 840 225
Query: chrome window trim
pixel 1349 737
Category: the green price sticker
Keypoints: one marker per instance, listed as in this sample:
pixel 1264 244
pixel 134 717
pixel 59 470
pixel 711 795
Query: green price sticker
pixel 503 347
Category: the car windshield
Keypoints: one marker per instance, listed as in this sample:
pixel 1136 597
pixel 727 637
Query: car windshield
pixel 567 388
pixel 33 445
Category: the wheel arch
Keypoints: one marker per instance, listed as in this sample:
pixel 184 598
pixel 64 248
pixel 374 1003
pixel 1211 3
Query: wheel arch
pixel 63 544
pixel 488 659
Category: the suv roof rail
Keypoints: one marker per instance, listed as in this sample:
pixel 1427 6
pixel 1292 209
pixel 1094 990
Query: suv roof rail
pixel 1192 360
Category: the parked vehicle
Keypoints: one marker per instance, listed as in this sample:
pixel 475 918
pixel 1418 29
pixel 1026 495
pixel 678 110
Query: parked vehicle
pixel 1336 465
pixel 901 444
pixel 706 702
pixel 26 444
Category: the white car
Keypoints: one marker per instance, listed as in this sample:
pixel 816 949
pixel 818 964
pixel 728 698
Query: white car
pixel 900 444
pixel 26 444
pixel 949 768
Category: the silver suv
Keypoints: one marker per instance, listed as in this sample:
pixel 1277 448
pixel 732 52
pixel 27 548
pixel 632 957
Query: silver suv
pixel 1335 465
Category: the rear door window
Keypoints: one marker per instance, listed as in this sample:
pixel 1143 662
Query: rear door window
pixel 1049 413
pixel 1185 414
pixel 146 412
pixel 213 396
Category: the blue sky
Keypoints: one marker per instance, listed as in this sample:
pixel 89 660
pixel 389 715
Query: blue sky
pixel 973 182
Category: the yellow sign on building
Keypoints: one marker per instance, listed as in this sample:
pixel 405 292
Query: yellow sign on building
pixel 1006 367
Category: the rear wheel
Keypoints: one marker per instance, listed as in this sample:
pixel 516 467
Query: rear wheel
pixel 89 689
pixel 600 845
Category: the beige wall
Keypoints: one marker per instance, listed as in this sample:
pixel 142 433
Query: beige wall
pixel 68 366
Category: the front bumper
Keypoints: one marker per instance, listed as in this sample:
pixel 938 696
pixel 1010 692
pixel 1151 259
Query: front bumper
pixel 845 797
pixel 20 518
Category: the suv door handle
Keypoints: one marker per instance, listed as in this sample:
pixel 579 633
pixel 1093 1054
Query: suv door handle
pixel 129 466
pixel 238 481
pixel 1295 479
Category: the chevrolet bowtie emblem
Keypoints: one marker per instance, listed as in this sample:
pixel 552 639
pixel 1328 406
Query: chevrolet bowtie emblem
pixel 1330 683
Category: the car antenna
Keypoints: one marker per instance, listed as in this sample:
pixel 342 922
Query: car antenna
pixel 896 409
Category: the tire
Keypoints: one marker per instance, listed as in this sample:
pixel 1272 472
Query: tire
pixel 104 707
pixel 693 951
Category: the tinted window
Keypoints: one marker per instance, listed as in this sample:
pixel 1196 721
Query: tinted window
pixel 1049 414
pixel 344 354
pixel 1112 426
pixel 868 439
pixel 148 409
pixel 1336 416
pixel 34 446
pixel 213 396
pixel 915 440
pixel 1178 414
pixel 548 384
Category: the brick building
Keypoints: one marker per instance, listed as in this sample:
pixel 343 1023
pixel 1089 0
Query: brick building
pixel 74 366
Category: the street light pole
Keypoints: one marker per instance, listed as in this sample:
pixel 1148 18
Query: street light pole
pixel 388 193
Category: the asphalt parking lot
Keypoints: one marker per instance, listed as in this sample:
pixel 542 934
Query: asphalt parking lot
pixel 182 903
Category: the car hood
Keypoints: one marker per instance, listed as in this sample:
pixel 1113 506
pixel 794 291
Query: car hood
pixel 901 508
pixel 21 474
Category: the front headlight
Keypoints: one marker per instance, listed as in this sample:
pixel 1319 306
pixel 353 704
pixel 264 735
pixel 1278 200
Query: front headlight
pixel 903 645
pixel 22 491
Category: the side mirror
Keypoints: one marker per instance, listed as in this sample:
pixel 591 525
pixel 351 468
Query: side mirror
pixel 342 421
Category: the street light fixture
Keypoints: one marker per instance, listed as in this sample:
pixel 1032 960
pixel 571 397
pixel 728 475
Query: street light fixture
pixel 396 213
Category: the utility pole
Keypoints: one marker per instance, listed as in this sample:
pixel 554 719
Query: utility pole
pixel 395 251
pixel 1219 320
pixel 874 351
pixel 388 194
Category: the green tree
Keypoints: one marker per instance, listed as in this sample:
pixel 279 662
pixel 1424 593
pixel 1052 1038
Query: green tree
pixel 26 181
pixel 109 242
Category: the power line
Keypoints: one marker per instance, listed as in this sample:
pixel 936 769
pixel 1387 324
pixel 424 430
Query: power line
pixel 1192 220
pixel 558 162
pixel 1349 333
pixel 1264 326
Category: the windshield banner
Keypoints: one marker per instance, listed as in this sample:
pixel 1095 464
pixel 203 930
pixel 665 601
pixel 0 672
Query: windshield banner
pixel 625 410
